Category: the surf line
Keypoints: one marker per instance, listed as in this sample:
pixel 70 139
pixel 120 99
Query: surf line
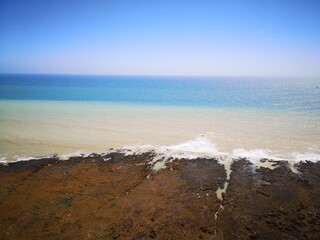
pixel 223 190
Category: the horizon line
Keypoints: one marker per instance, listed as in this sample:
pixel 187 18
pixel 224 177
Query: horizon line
pixel 160 75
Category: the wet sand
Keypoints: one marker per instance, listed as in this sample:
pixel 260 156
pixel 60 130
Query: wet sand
pixel 111 197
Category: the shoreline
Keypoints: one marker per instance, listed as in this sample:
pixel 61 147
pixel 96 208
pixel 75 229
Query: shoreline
pixel 110 196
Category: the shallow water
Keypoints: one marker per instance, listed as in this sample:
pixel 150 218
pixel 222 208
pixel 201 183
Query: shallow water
pixel 32 128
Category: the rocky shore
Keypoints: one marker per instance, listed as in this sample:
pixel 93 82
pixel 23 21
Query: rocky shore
pixel 114 196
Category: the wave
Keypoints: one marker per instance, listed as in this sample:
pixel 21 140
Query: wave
pixel 202 147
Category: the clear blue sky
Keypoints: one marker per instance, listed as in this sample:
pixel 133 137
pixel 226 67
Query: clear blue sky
pixel 199 37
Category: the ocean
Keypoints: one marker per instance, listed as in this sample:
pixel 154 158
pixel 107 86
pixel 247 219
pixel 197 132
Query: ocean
pixel 276 118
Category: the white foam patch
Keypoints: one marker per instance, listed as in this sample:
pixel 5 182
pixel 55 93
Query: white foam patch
pixel 3 159
pixel 20 159
pixel 74 154
pixel 36 158
pixel 308 156
pixel 200 147
pixel 253 154
pixel 139 149
pixel 106 159
pixel 256 155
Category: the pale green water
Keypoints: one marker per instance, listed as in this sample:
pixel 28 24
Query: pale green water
pixel 36 128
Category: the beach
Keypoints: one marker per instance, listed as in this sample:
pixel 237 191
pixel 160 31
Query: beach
pixel 122 196
pixel 93 157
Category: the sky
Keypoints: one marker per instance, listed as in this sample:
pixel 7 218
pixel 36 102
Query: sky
pixel 159 37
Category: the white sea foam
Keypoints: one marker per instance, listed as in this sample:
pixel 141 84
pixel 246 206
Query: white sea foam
pixel 202 147
pixel 256 155
pixel 35 158
pixel 106 159
pixel 20 159
pixel 3 159
pixel 253 154
pixel 74 154
pixel 307 156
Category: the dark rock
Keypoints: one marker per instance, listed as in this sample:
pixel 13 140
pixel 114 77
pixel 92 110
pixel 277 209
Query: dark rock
pixel 89 198
pixel 204 229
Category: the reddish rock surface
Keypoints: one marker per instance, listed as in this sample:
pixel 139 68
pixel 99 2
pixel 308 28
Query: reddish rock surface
pixel 89 198
pixel 272 204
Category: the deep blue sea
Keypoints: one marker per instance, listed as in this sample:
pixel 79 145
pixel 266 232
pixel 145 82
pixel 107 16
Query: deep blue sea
pixel 281 93
pixel 277 118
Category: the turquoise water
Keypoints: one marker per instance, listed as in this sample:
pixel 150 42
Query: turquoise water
pixel 47 114
pixel 287 94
